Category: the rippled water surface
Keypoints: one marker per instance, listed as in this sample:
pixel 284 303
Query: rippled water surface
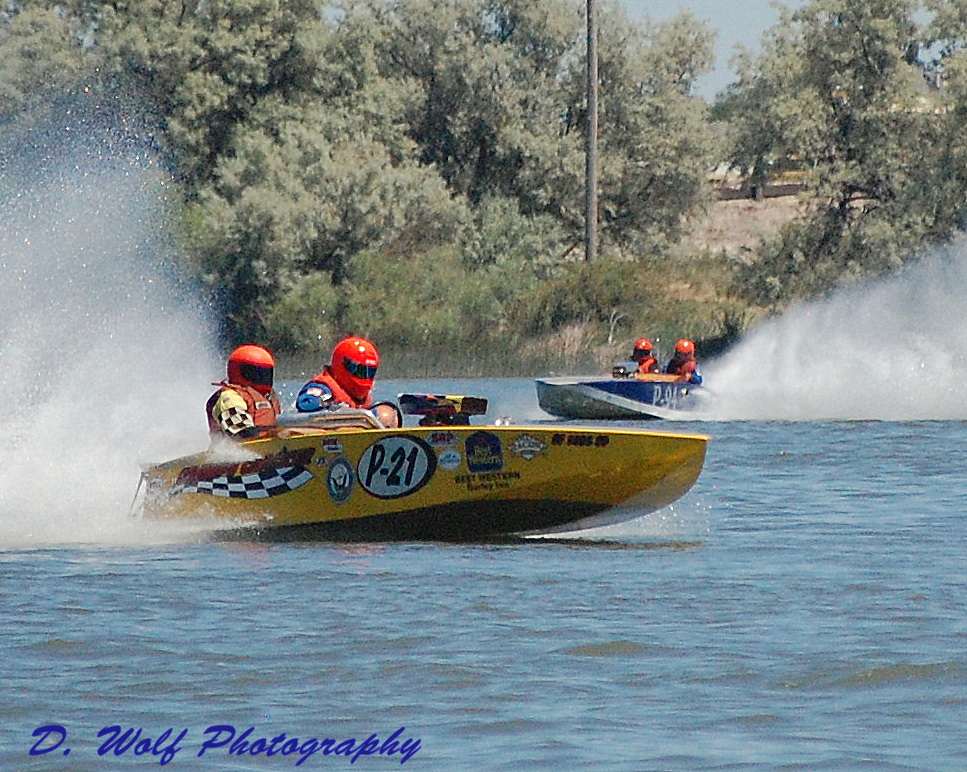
pixel 802 608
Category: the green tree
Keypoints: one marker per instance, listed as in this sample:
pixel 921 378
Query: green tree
pixel 839 89
pixel 391 130
pixel 656 143
pixel 499 107
pixel 947 38
pixel 302 199
pixel 204 65
pixel 39 49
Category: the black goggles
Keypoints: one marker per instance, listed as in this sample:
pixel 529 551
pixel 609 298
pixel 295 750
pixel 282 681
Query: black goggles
pixel 359 370
pixel 257 374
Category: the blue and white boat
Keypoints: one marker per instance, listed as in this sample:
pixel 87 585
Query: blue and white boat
pixel 633 397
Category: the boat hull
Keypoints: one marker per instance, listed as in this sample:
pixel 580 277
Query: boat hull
pixel 620 398
pixel 426 483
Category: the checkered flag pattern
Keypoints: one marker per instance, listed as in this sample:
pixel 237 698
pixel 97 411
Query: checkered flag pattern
pixel 259 485
pixel 234 421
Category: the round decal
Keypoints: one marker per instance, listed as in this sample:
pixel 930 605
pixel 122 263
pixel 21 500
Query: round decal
pixel 450 460
pixel 340 480
pixel 396 466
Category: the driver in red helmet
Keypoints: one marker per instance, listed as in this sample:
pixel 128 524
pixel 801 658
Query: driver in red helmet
pixel 683 363
pixel 245 404
pixel 347 381
pixel 642 354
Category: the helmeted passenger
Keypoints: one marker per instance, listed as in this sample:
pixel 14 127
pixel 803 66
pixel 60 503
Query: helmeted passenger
pixel 245 404
pixel 683 363
pixel 642 354
pixel 346 380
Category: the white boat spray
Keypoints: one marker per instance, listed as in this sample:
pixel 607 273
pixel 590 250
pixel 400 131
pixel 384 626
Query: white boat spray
pixel 105 356
pixel 894 350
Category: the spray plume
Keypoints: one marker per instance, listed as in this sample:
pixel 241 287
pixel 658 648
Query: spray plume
pixel 890 350
pixel 105 356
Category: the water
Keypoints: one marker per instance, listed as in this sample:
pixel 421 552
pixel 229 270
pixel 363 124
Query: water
pixel 802 608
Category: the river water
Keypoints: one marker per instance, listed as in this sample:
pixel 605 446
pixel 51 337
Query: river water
pixel 803 607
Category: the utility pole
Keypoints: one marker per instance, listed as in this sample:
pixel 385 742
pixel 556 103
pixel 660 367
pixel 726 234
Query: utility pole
pixel 591 142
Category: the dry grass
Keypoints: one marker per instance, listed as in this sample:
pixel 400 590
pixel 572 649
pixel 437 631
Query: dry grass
pixel 738 226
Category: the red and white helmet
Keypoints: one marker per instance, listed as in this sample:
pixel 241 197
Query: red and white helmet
pixel 354 363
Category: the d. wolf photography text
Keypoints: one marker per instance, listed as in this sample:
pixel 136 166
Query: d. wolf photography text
pixel 220 739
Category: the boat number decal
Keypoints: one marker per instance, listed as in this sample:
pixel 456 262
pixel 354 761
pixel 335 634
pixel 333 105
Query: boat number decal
pixel 668 395
pixel 396 466
pixel 527 447
pixel 484 453
pixel 581 440
pixel 340 480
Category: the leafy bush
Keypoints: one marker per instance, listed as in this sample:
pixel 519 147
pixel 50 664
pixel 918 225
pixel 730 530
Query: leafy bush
pixel 304 317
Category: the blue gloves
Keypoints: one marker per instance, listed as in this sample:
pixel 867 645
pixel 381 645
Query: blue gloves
pixel 313 398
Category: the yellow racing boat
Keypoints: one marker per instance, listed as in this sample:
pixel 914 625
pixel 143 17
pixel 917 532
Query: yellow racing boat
pixel 343 477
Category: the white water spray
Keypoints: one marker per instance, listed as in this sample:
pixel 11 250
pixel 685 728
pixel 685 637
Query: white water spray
pixel 895 349
pixel 105 358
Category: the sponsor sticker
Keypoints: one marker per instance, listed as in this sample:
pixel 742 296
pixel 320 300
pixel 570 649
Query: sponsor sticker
pixel 527 446
pixel 450 460
pixel 340 480
pixel 488 481
pixel 484 452
pixel 442 439
pixel 332 445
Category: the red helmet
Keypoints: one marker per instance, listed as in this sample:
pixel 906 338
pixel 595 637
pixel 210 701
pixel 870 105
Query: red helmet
pixel 251 366
pixel 685 348
pixel 641 350
pixel 354 363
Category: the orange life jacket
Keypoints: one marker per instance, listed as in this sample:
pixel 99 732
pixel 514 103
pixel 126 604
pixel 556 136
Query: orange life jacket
pixel 339 394
pixel 683 368
pixel 263 409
